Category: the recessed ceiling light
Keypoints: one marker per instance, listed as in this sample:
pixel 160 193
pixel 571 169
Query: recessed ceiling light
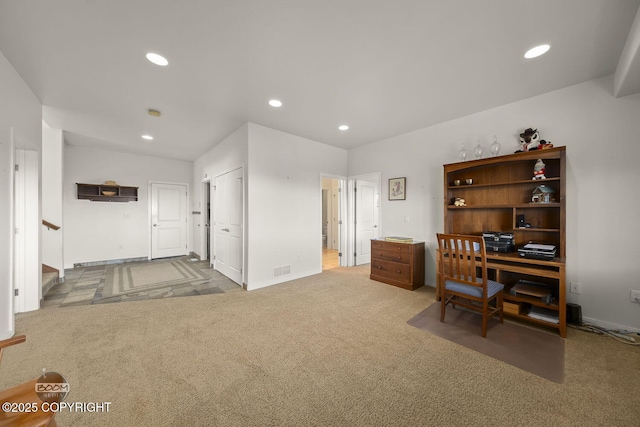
pixel 343 127
pixel 147 137
pixel 275 103
pixel 537 51
pixel 157 59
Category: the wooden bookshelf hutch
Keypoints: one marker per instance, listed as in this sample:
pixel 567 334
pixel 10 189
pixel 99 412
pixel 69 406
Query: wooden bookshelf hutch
pixel 500 192
pixel 107 193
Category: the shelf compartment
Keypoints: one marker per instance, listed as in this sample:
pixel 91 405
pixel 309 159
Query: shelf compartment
pixel 547 285
pixel 115 193
pixel 463 186
pixel 479 219
pixel 524 316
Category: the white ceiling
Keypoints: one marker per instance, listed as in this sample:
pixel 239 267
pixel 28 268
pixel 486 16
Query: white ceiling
pixel 383 67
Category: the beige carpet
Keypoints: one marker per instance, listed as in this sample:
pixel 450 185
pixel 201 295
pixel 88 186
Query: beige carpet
pixel 534 350
pixel 333 349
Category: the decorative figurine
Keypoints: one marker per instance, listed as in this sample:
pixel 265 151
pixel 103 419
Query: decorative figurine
pixel 538 170
pixel 530 140
pixel 543 194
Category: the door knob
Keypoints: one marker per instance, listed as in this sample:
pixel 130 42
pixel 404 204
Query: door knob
pixel 225 229
pixel 155 225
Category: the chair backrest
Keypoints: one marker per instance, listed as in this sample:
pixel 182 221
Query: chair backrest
pixel 463 259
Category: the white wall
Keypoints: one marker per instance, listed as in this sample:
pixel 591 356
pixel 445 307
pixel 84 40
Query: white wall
pixel 101 231
pixel 21 110
pixel 601 135
pixel 283 198
pixel 285 203
pixel 52 167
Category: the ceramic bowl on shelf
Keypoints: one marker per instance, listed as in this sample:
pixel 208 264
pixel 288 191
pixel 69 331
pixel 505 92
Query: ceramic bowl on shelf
pixel 109 193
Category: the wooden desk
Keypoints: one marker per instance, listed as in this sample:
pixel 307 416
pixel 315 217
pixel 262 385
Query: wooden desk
pixel 509 268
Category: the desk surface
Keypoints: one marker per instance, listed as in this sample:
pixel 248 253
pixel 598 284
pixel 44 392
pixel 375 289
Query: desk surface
pixel 515 257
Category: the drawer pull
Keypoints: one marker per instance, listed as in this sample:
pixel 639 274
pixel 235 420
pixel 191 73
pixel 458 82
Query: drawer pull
pixel 379 267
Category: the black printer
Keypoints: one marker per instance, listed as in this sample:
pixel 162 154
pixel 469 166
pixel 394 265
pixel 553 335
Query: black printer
pixel 496 241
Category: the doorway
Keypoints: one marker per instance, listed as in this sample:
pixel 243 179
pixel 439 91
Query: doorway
pixel 205 249
pixel 332 230
pixel 365 216
pixel 168 220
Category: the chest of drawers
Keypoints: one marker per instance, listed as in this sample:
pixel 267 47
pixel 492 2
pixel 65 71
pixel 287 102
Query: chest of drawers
pixel 398 264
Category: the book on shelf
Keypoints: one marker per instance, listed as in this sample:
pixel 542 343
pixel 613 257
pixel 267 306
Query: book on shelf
pixel 398 239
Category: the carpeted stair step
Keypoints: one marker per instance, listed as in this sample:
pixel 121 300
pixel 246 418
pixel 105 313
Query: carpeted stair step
pixel 50 277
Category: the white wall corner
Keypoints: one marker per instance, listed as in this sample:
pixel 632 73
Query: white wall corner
pixel 626 80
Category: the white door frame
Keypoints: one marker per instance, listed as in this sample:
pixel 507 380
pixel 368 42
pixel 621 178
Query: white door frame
pixel 351 207
pixel 150 214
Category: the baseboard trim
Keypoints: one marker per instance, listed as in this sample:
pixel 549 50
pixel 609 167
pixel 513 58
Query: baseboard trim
pixel 110 261
pixel 609 325
pixel 281 279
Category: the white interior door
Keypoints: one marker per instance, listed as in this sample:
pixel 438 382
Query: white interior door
pixel 168 220
pixel 366 226
pixel 26 263
pixel 227 225
pixel 334 224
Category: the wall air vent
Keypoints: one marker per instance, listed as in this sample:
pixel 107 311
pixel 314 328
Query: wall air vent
pixel 281 271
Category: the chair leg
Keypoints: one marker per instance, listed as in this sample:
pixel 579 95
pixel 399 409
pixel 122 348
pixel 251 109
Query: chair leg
pixel 501 307
pixel 443 304
pixel 485 315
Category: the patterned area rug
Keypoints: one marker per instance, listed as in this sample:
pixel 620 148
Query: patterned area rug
pixel 163 278
pixel 141 280
pixel 532 350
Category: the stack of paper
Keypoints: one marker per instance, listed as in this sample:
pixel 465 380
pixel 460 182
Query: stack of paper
pixel 544 314
pixel 399 239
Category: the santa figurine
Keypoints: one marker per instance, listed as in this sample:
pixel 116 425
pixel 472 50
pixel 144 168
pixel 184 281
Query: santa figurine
pixel 538 170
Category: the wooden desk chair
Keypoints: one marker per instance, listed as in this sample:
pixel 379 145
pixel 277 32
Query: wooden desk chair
pixel 25 394
pixel 463 277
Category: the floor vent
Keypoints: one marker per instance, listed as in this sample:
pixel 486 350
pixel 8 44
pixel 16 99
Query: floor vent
pixel 281 271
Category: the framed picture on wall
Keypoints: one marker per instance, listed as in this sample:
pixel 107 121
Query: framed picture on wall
pixel 397 188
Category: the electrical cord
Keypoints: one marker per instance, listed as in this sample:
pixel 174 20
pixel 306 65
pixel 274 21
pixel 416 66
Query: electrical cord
pixel 621 336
